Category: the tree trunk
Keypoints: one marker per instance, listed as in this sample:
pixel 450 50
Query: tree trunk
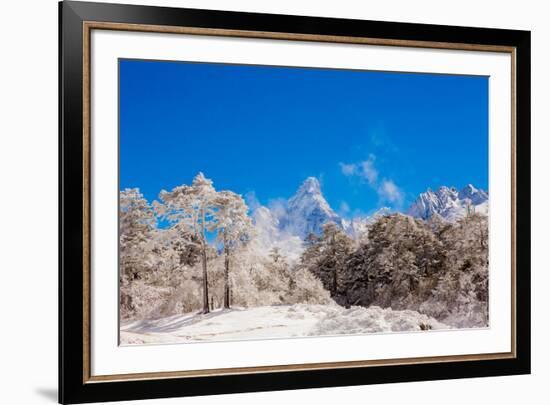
pixel 226 280
pixel 205 303
pixel 205 306
pixel 334 281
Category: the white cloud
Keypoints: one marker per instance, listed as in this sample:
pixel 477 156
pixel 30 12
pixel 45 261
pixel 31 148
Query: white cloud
pixel 366 171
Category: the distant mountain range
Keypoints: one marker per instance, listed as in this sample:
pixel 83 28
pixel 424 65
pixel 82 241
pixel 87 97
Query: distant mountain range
pixel 306 212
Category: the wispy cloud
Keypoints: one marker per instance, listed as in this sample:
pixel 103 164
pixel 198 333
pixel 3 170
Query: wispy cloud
pixel 348 169
pixel 366 172
pixel 277 206
pixel 389 191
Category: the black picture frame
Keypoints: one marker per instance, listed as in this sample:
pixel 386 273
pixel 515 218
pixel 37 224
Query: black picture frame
pixel 73 384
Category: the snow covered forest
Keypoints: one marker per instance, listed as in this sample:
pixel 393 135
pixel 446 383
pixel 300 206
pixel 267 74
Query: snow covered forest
pixel 200 264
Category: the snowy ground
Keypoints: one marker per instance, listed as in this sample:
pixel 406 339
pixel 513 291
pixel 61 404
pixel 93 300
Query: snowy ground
pixel 274 322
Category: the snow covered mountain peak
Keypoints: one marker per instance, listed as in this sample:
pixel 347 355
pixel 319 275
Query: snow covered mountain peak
pixel 285 225
pixel 308 197
pixel 469 188
pixel 310 186
pixel 449 203
pixel 305 213
pixel 476 196
pixel 308 210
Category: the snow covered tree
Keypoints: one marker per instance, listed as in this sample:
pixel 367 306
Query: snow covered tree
pixel 464 286
pixel 435 267
pixel 325 257
pixel 234 228
pixel 276 255
pixel 279 270
pixel 137 220
pixel 312 251
pixel 276 282
pixel 306 288
pixel 397 265
pixel 193 208
pixel 137 223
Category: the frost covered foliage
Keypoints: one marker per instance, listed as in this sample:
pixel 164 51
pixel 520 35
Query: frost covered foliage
pixel 435 267
pixel 137 222
pixel 208 257
pixel 464 286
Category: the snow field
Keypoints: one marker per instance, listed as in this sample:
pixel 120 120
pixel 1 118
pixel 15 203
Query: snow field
pixel 284 321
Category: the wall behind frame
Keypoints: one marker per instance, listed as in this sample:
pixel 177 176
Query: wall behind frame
pixel 28 203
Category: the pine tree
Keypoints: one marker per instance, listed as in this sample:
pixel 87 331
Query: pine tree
pixel 137 224
pixel 325 257
pixel 193 208
pixel 234 229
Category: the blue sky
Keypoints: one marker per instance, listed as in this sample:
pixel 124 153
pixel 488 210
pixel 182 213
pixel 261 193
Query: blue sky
pixel 372 138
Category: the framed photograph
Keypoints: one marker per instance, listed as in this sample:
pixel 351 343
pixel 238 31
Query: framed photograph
pixel 254 202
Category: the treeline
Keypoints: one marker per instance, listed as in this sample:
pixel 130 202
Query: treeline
pixel 433 267
pixel 208 257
